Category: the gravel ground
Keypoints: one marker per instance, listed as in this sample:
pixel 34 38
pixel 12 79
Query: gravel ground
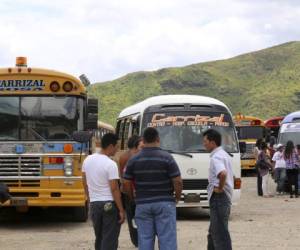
pixel 256 223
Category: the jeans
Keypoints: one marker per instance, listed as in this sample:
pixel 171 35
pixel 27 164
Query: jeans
pixel 156 219
pixel 280 176
pixel 106 225
pixel 218 234
pixel 292 176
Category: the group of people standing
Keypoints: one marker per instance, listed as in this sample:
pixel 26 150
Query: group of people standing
pixel 280 161
pixel 151 180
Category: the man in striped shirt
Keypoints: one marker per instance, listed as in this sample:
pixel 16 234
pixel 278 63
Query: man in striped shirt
pixel 156 177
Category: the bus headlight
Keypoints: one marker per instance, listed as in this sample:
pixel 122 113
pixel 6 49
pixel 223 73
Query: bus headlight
pixel 68 167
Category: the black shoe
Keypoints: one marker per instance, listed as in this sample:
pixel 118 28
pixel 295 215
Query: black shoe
pixel 291 196
pixel 296 196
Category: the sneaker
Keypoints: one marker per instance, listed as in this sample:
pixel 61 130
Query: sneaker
pixel 133 224
pixel 267 196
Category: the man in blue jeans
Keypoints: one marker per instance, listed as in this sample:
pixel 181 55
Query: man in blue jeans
pixel 156 177
pixel 220 188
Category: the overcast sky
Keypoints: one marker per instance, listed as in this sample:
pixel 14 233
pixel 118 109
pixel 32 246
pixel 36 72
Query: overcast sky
pixel 106 39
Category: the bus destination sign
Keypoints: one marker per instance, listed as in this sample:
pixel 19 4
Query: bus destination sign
pixel 23 85
pixel 160 120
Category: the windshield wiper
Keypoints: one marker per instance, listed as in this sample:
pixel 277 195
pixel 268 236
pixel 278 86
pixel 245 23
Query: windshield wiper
pixel 199 150
pixel 38 135
pixel 178 153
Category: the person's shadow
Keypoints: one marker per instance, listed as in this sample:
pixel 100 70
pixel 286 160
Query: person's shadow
pixel 196 213
pixel 36 218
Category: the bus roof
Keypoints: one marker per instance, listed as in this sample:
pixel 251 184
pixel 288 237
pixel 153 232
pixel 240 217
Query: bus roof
pixel 247 120
pixel 292 117
pixel 274 122
pixel 169 99
pixel 21 79
pixel 36 71
pixel 106 126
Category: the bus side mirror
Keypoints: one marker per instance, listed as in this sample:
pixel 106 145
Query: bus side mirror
pixel 82 136
pixel 242 146
pixel 91 121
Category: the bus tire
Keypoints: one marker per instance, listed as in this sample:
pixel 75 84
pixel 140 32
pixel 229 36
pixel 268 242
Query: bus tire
pixel 81 213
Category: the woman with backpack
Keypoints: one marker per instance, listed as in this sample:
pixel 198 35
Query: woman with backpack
pixel 292 164
pixel 264 166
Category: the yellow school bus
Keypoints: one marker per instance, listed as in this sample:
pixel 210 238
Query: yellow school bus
pixel 102 129
pixel 40 162
pixel 249 129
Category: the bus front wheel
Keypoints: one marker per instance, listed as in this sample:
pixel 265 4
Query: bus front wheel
pixel 81 213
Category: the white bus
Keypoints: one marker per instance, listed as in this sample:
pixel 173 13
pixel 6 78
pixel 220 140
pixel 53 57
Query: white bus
pixel 290 129
pixel 181 121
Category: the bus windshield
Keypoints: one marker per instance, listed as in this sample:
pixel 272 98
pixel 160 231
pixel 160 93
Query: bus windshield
pixel 289 132
pixel 183 131
pixel 40 117
pixel 250 132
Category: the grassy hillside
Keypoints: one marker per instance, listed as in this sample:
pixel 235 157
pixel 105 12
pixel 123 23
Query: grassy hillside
pixel 263 83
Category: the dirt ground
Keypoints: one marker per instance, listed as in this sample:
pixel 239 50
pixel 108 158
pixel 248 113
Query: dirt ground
pixel 256 223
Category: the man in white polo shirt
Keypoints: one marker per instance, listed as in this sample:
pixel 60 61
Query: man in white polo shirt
pixel 220 188
pixel 101 182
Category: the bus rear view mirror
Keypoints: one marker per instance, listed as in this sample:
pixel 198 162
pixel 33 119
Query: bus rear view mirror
pixel 92 114
pixel 242 145
pixel 82 136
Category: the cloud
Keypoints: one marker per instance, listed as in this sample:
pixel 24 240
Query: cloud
pixel 107 39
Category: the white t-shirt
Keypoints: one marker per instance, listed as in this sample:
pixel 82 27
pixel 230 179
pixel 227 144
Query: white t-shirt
pixel 99 169
pixel 220 161
pixel 279 160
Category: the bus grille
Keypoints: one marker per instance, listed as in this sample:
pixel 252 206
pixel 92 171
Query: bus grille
pixel 249 152
pixel 19 166
pixel 197 184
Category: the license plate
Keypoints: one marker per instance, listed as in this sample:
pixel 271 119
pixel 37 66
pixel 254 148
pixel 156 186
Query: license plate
pixel 18 201
pixel 192 198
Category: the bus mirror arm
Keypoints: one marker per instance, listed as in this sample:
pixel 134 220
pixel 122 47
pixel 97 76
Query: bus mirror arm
pixel 230 154
pixel 82 137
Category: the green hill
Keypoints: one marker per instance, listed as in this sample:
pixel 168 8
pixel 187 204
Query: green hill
pixel 264 83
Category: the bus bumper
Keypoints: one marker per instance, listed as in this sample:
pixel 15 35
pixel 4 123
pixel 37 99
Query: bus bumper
pixel 204 203
pixel 248 164
pixel 46 198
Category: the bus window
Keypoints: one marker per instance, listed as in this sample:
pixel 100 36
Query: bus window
pixel 51 118
pixel 121 133
pixel 136 127
pixel 253 132
pixel 186 135
pixel 126 134
pixel 9 115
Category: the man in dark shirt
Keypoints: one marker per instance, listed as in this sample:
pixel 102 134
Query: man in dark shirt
pixel 156 176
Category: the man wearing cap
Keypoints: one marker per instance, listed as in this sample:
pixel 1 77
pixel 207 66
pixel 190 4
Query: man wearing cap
pixel 280 168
